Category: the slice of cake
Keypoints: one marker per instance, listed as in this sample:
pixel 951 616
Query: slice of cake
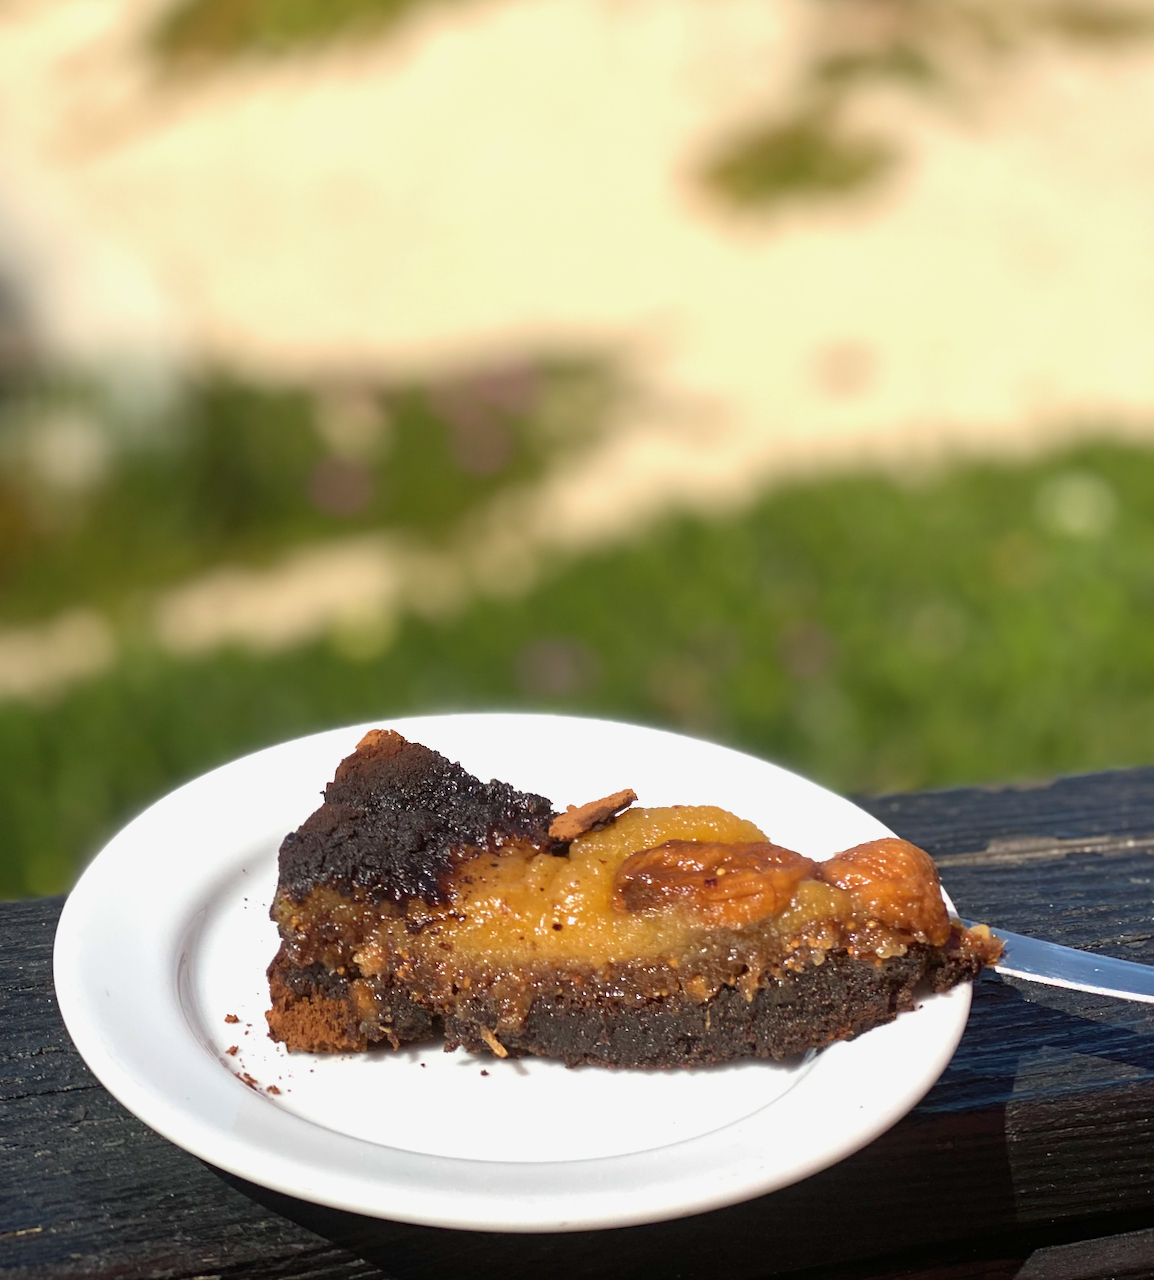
pixel 419 901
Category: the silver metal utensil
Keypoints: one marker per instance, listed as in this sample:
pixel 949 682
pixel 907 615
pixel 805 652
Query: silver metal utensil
pixel 1058 966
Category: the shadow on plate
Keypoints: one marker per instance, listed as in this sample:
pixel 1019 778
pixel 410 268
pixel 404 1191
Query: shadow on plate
pixel 970 1173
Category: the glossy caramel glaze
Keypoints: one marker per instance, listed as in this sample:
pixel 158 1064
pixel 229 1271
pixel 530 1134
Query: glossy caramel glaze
pixel 521 904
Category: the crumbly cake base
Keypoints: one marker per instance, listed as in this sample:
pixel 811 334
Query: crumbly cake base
pixel 785 1016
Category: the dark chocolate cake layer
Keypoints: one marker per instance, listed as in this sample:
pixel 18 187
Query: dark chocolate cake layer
pixel 785 1017
pixel 324 1012
pixel 393 817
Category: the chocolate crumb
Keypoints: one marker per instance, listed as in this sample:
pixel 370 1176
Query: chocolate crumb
pixel 232 1049
pixel 272 1089
pixel 231 1017
pixel 484 1073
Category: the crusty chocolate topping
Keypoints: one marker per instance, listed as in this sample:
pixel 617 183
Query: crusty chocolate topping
pixel 394 818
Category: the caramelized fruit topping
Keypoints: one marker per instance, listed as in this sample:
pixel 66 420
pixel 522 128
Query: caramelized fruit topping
pixel 722 884
pixel 895 883
pixel 520 902
pixel 686 898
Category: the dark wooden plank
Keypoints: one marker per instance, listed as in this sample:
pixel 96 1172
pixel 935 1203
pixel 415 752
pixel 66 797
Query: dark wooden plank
pixel 1123 1255
pixel 85 1189
pixel 1037 1137
pixel 1116 803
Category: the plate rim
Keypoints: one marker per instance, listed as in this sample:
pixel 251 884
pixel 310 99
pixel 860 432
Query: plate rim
pixel 156 1105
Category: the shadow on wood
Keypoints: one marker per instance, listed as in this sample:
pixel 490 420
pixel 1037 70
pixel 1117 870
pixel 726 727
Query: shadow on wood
pixel 948 1173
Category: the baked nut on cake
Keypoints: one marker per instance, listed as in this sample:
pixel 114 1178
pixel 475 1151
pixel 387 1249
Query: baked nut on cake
pixel 420 901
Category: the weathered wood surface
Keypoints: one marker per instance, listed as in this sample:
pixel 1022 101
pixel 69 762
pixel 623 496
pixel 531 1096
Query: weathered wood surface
pixel 1033 1156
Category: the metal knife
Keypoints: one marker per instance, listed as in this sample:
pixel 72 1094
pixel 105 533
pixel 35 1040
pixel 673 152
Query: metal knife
pixel 1058 966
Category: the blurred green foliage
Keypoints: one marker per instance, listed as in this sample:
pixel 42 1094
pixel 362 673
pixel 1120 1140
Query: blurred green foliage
pixel 811 148
pixel 804 156
pixel 212 28
pixel 897 34
pixel 807 149
pixel 233 473
pixel 991 622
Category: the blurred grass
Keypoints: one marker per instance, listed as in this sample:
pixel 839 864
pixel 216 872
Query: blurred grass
pixel 240 474
pixel 806 156
pixel 906 28
pixel 991 622
pixel 215 28
pixel 809 149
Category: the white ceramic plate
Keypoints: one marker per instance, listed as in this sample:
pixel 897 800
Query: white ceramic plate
pixel 167 936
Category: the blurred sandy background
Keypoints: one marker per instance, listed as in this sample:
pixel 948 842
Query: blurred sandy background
pixel 455 303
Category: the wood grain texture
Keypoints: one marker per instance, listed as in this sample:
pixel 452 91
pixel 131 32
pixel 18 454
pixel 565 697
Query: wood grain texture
pixel 1032 1156
pixel 85 1188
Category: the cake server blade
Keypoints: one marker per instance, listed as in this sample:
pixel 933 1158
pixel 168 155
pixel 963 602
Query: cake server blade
pixel 1058 966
